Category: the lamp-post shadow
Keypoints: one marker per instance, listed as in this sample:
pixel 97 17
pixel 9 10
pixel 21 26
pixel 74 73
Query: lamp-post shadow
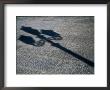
pixel 44 39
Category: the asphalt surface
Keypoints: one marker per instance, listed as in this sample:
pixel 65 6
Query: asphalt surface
pixel 73 54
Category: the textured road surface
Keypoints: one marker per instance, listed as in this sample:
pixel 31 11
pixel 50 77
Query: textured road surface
pixel 78 36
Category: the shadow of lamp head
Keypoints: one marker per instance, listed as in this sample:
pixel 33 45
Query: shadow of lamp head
pixel 30 30
pixel 50 34
pixel 29 40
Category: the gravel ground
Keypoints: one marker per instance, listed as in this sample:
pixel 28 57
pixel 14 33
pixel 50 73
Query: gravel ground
pixel 77 34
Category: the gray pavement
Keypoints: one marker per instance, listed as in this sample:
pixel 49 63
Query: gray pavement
pixel 77 36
